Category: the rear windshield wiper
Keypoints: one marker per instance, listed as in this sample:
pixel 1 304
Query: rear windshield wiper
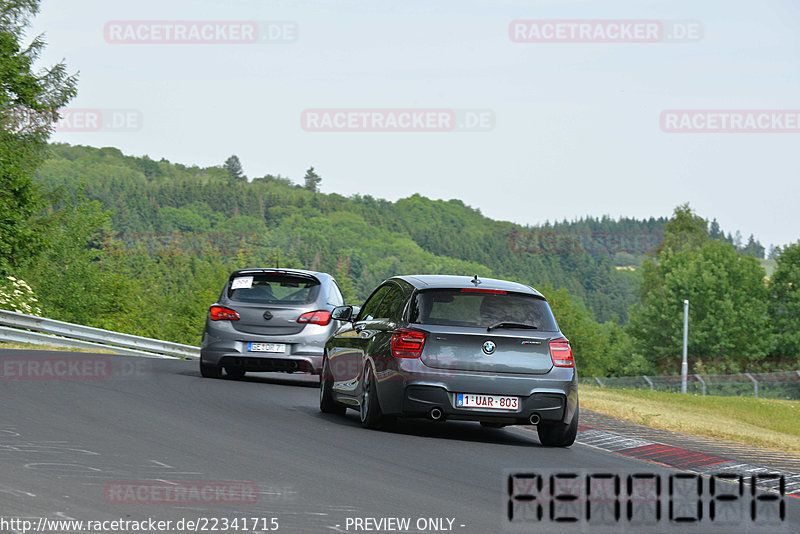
pixel 507 324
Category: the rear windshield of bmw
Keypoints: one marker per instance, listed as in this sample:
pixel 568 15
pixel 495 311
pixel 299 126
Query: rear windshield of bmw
pixel 480 309
pixel 273 288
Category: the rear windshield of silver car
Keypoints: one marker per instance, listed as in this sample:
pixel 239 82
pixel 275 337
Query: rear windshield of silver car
pixel 273 288
pixel 480 308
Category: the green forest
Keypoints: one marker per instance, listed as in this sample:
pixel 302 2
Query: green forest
pixel 161 208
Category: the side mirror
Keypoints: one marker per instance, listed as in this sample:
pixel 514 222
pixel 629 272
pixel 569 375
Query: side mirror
pixel 342 313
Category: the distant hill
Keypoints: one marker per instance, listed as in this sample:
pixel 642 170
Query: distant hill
pixel 162 208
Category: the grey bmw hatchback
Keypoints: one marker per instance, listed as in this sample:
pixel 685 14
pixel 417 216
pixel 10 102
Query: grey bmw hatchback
pixel 269 320
pixel 451 347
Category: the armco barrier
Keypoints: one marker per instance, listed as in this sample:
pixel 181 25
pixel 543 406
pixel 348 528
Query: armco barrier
pixel 22 328
pixel 777 385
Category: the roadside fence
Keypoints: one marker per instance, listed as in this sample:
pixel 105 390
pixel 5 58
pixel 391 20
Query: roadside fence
pixel 777 385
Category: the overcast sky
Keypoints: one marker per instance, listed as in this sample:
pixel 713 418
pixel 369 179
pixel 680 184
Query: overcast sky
pixel 531 130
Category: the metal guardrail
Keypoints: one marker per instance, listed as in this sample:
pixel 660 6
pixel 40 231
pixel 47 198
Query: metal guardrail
pixel 40 330
pixel 777 385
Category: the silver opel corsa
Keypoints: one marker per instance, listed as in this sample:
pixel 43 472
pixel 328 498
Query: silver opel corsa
pixel 451 347
pixel 269 320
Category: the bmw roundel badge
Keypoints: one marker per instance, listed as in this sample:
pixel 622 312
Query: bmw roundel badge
pixel 488 347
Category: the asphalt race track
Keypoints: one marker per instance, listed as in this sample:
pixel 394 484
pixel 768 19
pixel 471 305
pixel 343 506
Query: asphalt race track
pixel 68 442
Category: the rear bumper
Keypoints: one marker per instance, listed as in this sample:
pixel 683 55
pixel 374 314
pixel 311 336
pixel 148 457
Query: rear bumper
pixel 303 352
pixel 418 401
pixel 413 390
pixel 222 345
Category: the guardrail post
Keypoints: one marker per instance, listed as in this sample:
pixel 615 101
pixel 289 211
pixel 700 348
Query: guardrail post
pixel 598 381
pixel 649 382
pixel 702 384
pixel 755 384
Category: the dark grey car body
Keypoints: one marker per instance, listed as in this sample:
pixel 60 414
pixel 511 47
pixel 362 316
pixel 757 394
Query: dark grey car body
pixel 226 343
pixel 453 360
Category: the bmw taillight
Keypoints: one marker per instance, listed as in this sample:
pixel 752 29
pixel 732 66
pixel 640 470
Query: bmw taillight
pixel 561 353
pixel 407 343
pixel 219 313
pixel 320 317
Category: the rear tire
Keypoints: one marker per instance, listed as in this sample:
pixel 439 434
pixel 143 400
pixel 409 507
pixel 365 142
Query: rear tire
pixel 326 402
pixel 558 434
pixel 209 370
pixel 370 410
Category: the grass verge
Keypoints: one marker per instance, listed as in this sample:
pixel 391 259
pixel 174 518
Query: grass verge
pixel 769 423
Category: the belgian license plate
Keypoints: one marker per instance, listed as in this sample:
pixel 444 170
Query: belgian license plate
pixel 494 402
pixel 266 347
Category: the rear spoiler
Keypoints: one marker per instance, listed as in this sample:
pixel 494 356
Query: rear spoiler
pixel 245 272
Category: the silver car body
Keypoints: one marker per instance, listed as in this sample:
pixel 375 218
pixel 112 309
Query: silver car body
pixel 270 325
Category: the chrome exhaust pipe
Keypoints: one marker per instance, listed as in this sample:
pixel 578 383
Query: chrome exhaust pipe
pixel 534 419
pixel 436 414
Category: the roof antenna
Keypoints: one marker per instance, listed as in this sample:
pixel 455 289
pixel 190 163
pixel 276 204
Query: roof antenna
pixel 475 280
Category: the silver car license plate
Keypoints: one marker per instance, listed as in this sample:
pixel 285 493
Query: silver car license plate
pixel 266 347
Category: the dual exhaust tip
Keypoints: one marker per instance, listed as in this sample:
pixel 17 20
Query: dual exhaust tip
pixel 436 414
